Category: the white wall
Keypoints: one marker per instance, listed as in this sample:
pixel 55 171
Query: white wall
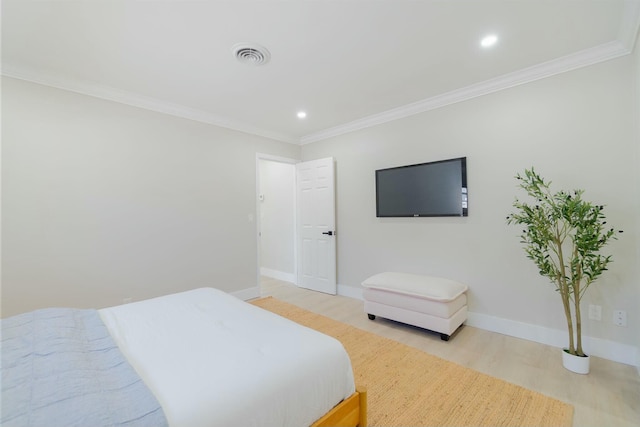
pixel 576 129
pixel 103 201
pixel 277 219
pixel 636 315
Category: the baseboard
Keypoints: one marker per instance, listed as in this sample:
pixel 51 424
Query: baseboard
pixel 247 294
pixel 278 275
pixel 610 350
pixel 350 291
pixel 598 347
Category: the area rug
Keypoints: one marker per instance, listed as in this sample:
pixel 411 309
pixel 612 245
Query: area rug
pixel 408 387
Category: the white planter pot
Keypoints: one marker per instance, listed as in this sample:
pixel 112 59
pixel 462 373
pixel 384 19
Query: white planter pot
pixel 577 364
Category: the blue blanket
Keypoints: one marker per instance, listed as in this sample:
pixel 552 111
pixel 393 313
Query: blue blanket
pixel 60 367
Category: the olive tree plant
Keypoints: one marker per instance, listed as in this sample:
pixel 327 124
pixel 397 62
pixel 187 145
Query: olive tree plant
pixel 563 235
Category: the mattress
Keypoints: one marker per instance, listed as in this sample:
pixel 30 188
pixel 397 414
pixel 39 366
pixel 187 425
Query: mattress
pixel 213 360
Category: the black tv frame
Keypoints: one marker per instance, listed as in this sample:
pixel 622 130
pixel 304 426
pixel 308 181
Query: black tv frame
pixel 463 191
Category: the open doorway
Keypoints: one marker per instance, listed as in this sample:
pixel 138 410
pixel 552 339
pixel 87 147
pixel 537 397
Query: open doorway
pixel 276 222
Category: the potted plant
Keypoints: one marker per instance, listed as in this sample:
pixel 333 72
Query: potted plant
pixel 563 235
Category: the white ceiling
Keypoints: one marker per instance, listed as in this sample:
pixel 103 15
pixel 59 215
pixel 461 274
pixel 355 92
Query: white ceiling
pixel 348 63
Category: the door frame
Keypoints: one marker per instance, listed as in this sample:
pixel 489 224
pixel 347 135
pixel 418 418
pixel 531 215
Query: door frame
pixel 280 159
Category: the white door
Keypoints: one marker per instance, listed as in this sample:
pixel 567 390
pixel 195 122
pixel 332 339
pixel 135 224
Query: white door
pixel 316 225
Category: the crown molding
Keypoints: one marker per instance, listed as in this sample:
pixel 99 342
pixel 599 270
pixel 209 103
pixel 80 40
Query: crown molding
pixel 604 52
pixel 140 101
pixel 570 62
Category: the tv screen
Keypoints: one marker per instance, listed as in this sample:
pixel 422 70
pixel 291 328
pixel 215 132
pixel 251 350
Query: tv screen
pixel 426 189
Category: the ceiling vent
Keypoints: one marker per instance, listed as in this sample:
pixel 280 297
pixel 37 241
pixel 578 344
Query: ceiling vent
pixel 251 53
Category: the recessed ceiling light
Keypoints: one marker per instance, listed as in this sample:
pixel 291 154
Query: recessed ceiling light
pixel 301 114
pixel 489 40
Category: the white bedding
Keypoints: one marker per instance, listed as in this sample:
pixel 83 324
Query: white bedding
pixel 214 360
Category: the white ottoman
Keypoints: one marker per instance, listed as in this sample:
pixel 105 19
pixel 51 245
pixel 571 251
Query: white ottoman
pixel 432 303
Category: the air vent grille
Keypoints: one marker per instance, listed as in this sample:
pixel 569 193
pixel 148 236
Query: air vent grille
pixel 251 53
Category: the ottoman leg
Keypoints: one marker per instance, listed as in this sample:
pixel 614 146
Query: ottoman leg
pixel 444 337
pixel 371 316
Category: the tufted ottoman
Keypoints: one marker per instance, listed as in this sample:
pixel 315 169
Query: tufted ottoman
pixel 428 302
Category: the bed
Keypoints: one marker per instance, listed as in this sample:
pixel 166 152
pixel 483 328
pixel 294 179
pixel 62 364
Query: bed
pixel 191 359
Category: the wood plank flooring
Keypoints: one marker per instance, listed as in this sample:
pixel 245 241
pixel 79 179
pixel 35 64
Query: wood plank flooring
pixel 608 396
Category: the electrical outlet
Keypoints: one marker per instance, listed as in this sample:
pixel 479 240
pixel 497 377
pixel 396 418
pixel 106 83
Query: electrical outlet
pixel 620 318
pixel 595 312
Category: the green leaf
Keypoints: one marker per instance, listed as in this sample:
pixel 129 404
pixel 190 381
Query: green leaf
pixel 563 235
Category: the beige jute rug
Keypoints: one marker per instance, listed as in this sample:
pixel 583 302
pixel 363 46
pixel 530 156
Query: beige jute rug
pixel 408 387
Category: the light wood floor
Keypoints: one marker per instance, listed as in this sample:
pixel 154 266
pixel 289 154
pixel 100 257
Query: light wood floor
pixel 608 396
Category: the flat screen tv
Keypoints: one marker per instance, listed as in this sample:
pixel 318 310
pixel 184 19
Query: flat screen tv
pixel 425 189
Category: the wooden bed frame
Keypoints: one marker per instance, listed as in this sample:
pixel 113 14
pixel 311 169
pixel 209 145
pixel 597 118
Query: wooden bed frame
pixel 351 412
